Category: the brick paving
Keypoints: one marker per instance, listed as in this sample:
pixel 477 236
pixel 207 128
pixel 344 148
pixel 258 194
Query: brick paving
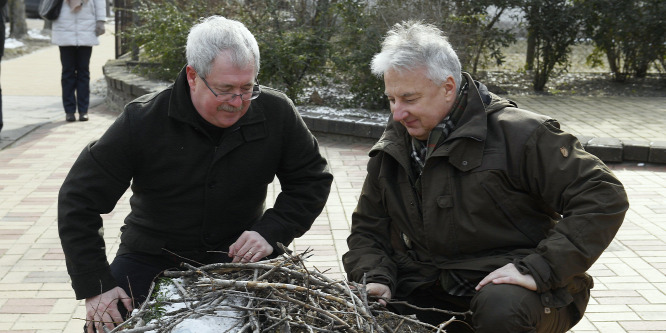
pixel 35 295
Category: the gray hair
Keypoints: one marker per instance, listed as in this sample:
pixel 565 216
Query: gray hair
pixel 215 35
pixel 411 45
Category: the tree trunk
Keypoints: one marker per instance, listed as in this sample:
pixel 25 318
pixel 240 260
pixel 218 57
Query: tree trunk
pixel 18 28
pixel 531 46
pixel 614 64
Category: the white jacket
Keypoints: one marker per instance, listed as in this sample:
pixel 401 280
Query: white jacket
pixel 78 29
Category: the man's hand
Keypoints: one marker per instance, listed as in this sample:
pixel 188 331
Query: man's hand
pixel 509 274
pixel 103 309
pixel 379 290
pixel 249 247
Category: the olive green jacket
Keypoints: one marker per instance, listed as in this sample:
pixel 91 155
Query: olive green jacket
pixel 506 186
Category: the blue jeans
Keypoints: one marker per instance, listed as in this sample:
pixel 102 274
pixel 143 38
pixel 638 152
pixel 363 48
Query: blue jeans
pixel 75 78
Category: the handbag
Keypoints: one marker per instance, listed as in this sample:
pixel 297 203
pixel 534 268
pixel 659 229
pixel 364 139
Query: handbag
pixel 50 9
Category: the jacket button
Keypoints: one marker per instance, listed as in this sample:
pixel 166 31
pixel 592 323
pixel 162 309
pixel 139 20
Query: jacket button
pixel 464 163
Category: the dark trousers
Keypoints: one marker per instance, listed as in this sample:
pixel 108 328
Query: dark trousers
pixel 75 78
pixel 496 308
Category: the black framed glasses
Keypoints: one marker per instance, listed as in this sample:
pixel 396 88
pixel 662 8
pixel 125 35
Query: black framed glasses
pixel 228 97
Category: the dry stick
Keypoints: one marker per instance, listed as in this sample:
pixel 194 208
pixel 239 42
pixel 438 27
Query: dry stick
pixel 181 257
pixel 363 310
pixel 245 327
pixel 325 313
pixel 141 329
pixel 453 313
pixel 270 271
pixel 358 320
pixel 444 324
pixel 199 270
pixel 277 323
pixel 266 285
pixel 180 288
pixel 293 268
pixel 400 324
pixel 415 321
pixel 283 313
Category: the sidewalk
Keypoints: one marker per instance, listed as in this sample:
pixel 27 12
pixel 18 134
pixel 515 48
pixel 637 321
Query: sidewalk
pixel 35 294
pixel 31 92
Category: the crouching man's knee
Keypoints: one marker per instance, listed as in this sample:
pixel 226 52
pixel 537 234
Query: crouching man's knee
pixel 510 308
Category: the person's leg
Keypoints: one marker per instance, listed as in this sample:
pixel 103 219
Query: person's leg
pixel 68 79
pixel 435 297
pixel 134 272
pixel 83 79
pixel 509 308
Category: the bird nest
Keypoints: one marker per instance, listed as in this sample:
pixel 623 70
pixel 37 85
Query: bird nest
pixel 277 295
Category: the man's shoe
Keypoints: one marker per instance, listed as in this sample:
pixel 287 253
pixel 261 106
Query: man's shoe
pixel 83 117
pixel 70 117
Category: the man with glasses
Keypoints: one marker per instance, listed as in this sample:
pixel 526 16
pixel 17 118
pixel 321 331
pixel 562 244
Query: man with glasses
pixel 199 156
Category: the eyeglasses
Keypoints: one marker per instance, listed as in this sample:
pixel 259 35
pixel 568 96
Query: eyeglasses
pixel 228 97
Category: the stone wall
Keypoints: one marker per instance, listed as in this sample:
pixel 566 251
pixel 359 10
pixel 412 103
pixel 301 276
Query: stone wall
pixel 123 86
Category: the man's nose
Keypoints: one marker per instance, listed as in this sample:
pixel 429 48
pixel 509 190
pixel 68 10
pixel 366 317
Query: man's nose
pixel 399 112
pixel 236 101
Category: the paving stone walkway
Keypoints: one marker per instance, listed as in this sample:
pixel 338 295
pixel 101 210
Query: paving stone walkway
pixel 35 295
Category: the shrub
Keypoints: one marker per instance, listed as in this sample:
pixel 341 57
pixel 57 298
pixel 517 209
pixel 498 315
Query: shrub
pixel 554 25
pixel 631 34
pixel 161 31
pixel 294 39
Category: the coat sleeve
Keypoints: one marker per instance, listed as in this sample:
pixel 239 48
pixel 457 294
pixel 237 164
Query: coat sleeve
pixel 305 182
pixel 370 238
pixel 100 10
pixel 93 186
pixel 588 196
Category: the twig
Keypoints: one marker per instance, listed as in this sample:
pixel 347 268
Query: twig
pixel 453 313
pixel 334 318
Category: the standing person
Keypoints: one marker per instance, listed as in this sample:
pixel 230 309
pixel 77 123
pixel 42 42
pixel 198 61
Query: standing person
pixel 199 156
pixel 3 3
pixel 471 203
pixel 75 31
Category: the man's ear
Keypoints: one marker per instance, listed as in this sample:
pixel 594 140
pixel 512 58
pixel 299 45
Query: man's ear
pixel 191 76
pixel 450 87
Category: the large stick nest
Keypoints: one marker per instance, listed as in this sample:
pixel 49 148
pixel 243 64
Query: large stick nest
pixel 278 295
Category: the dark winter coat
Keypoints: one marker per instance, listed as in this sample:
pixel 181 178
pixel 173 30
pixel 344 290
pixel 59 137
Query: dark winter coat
pixel 188 192
pixel 506 186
